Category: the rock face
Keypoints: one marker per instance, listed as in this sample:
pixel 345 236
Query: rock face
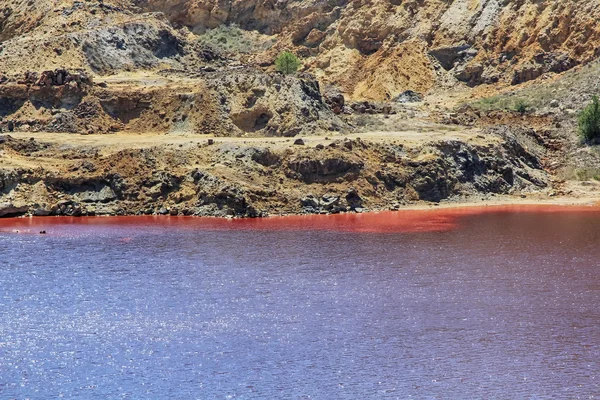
pixel 148 67
pixel 94 36
pixel 138 43
pixel 272 104
pixel 248 102
pixel 384 44
pixel 409 96
pixel 11 210
pixel 236 179
pixel 374 49
pixel 326 169
pixel 50 51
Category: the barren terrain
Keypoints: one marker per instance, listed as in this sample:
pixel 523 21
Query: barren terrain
pixel 49 173
pixel 144 107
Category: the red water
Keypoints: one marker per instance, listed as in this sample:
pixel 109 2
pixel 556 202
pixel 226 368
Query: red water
pixel 430 220
pixel 468 303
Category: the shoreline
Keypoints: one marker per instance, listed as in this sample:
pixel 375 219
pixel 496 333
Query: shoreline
pixel 158 175
pixel 505 203
pixel 510 201
pixel 411 219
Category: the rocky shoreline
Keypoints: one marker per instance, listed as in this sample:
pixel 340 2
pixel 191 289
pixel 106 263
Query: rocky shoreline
pixel 227 178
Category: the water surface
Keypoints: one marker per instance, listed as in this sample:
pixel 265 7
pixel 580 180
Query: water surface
pixel 469 303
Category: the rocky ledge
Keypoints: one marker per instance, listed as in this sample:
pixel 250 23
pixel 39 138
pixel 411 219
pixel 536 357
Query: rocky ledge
pixel 227 177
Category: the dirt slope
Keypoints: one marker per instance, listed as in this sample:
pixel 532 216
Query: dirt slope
pixel 372 49
pixel 378 48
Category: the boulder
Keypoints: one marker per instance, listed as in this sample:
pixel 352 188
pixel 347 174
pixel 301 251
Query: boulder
pixel 324 170
pixel 42 211
pixel 329 201
pixel 11 210
pixel 409 96
pixel 470 73
pixel 334 98
pixel 265 157
pixel 104 195
pixel 57 77
pixel 353 198
pixel 310 201
pixel 365 107
pixel 449 56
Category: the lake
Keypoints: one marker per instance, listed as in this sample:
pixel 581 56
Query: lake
pixel 492 302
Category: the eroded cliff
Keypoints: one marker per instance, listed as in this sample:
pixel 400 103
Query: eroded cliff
pixel 372 49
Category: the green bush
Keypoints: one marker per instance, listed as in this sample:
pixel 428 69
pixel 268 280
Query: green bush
pixel 287 63
pixel 521 107
pixel 589 121
pixel 233 39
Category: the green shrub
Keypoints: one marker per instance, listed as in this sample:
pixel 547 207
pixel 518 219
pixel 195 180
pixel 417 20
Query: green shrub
pixel 233 39
pixel 287 63
pixel 521 107
pixel 589 121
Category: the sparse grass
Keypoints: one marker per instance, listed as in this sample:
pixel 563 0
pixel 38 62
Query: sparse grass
pixel 492 103
pixel 570 89
pixel 588 174
pixel 368 122
pixel 233 39
pixel 365 120
pixel 449 128
pixel 503 102
pixel 581 174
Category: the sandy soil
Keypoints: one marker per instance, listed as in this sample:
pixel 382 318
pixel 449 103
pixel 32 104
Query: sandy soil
pixel 420 133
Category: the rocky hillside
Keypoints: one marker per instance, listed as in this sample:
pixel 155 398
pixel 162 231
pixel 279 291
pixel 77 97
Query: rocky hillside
pixel 244 103
pixel 196 119
pixel 101 37
pixel 378 48
pixel 372 49
pixel 54 53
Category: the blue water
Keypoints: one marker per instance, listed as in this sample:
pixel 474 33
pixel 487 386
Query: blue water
pixel 501 306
